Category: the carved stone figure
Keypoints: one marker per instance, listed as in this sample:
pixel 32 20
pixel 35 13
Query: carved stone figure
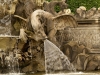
pixel 44 24
pixel 23 9
pixel 72 49
pixel 91 63
pixel 79 61
pixel 80 12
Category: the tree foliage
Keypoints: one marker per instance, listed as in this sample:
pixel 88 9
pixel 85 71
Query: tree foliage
pixel 57 8
pixel 74 4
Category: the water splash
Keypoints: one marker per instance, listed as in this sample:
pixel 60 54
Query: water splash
pixel 12 63
pixel 77 73
pixel 55 60
pixel 13 74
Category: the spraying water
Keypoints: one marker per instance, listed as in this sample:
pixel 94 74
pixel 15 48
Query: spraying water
pixel 55 60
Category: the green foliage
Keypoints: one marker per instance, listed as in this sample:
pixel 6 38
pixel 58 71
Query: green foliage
pixel 57 8
pixel 52 0
pixel 74 4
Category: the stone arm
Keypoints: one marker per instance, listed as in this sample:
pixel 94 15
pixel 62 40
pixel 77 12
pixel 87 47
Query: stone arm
pixel 52 37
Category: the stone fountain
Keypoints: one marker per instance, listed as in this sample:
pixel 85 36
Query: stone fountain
pixel 19 57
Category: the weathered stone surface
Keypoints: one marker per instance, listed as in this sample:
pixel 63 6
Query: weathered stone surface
pixel 79 61
pixel 50 6
pixel 30 55
pixel 7 42
pixel 32 67
pixel 82 13
pixel 86 34
pixel 91 12
pixel 29 60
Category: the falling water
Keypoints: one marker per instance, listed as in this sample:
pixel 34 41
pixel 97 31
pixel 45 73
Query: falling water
pixel 9 59
pixel 12 63
pixel 55 60
pixel 13 74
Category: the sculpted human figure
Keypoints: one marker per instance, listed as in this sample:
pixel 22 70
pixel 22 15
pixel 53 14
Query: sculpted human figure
pixel 43 24
pixel 80 13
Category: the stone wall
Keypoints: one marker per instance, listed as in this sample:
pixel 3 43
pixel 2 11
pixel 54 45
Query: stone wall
pixel 9 42
pixel 87 34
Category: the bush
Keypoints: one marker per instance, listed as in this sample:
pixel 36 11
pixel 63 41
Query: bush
pixel 57 8
pixel 74 4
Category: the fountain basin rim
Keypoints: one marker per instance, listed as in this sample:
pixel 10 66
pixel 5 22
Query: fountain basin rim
pixel 9 36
